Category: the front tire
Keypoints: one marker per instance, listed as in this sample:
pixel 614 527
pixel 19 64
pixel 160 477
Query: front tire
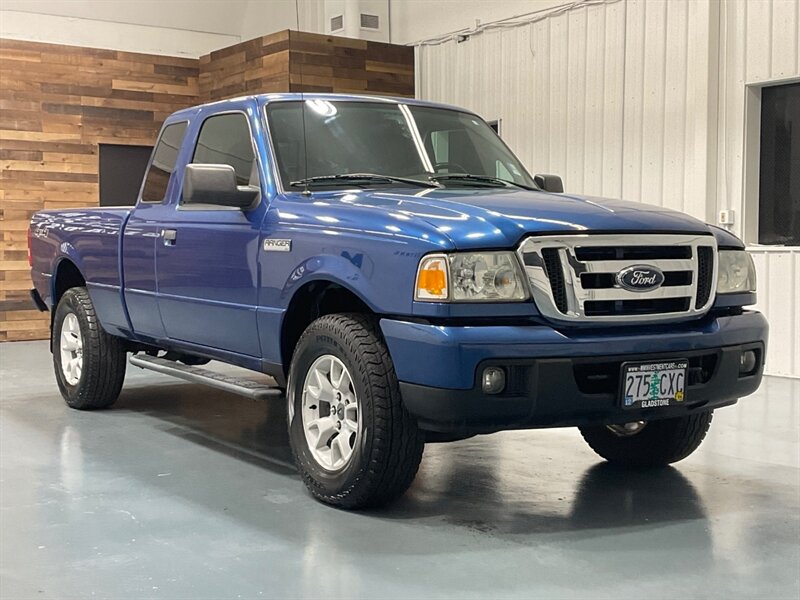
pixel 89 363
pixel 651 444
pixel 353 441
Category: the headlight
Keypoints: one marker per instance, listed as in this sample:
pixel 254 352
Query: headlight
pixel 736 272
pixel 470 277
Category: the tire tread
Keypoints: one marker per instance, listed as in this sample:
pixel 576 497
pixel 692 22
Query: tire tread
pixel 660 443
pixel 104 358
pixel 398 443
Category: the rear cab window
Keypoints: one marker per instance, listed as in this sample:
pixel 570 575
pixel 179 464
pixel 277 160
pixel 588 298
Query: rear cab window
pixel 164 158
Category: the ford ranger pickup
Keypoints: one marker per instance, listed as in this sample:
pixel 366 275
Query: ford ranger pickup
pixel 403 278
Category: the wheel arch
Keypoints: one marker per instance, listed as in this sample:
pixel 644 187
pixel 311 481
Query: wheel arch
pixel 314 299
pixel 66 275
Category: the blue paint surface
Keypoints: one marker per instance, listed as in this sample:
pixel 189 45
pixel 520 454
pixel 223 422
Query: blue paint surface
pixel 218 293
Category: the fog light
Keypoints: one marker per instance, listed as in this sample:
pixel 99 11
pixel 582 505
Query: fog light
pixel 494 380
pixel 747 362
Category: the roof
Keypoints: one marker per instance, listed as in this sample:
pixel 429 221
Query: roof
pixel 263 99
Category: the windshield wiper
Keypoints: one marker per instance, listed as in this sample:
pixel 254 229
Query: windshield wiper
pixel 363 177
pixel 476 178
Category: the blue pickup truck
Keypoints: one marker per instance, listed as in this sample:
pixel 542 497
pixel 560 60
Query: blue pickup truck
pixel 403 278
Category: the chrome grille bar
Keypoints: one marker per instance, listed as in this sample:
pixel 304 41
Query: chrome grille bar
pixel 613 303
pixel 617 293
pixel 612 266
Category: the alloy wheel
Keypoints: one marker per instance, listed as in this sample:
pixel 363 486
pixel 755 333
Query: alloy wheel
pixel 330 413
pixel 71 346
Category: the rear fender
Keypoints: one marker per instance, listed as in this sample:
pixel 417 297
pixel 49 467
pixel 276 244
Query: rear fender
pixel 67 254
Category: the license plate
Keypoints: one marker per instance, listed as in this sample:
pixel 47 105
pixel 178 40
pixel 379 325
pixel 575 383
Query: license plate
pixel 652 385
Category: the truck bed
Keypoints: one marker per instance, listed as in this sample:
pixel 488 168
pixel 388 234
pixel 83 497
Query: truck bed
pixel 90 238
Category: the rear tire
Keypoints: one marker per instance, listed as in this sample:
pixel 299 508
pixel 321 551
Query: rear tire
pixel 89 363
pixel 380 448
pixel 658 443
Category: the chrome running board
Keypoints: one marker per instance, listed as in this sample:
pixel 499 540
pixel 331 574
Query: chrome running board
pixel 235 385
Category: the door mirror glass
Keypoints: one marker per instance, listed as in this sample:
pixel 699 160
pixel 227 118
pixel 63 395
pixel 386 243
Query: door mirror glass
pixel 550 183
pixel 216 185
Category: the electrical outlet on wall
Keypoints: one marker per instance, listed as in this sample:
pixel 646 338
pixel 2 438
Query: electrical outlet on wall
pixel 727 217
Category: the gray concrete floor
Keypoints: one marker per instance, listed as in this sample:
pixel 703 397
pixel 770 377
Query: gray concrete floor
pixel 184 492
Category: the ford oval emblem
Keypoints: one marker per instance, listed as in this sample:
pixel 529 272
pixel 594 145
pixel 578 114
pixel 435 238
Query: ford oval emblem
pixel 640 278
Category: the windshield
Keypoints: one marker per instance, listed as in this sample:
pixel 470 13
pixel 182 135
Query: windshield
pixel 392 140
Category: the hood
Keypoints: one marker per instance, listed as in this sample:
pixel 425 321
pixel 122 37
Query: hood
pixel 489 218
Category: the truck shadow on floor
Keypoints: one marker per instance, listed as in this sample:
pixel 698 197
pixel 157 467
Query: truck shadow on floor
pixel 249 430
pixel 501 485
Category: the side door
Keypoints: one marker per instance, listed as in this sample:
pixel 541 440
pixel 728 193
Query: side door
pixel 207 255
pixel 138 250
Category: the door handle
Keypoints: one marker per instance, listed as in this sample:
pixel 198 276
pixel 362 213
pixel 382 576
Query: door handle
pixel 169 236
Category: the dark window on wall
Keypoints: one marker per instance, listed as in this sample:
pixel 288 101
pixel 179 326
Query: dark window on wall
pixel 225 140
pixel 164 159
pixel 121 172
pixel 779 181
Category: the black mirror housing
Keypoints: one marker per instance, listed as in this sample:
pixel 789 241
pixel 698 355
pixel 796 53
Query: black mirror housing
pixel 216 185
pixel 549 183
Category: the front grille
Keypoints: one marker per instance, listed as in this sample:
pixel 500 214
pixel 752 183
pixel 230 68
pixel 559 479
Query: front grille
pixel 552 266
pixel 631 252
pixel 582 277
pixel 594 308
pixel 594 281
pixel 705 268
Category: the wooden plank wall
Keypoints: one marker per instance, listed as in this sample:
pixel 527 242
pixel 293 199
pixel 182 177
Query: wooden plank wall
pixel 257 66
pixel 307 62
pixel 320 63
pixel 58 103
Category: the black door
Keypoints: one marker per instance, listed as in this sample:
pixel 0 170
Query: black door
pixel 779 182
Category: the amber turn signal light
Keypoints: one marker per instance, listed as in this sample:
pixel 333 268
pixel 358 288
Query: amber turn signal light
pixel 432 278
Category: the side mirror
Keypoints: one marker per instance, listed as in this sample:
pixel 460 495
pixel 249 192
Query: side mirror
pixel 216 185
pixel 549 183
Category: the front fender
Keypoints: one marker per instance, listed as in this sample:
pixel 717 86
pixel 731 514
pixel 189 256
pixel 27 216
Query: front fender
pixel 352 272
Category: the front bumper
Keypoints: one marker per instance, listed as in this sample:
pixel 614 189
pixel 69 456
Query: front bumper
pixel 558 378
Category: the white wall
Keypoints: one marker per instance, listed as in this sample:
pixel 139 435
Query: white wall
pixel 211 16
pixel 645 100
pixel 760 44
pixel 92 33
pixel 351 11
pixel 779 299
pixel 268 16
pixel 596 95
pixel 414 20
pixel 172 27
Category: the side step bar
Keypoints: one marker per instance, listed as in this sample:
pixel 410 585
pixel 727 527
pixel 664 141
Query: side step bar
pixel 235 385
